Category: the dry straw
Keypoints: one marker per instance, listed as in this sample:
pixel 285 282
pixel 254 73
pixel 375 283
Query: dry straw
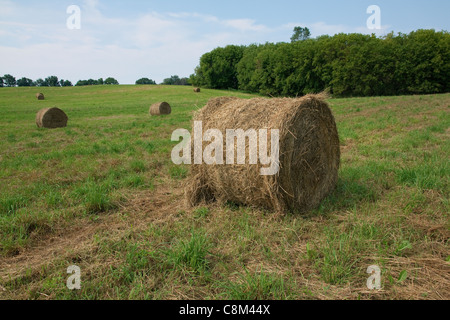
pixel 51 118
pixel 40 96
pixel 309 154
pixel 160 108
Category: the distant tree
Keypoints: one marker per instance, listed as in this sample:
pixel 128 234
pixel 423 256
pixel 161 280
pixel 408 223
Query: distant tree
pixel 177 81
pixel 25 82
pixel 100 81
pixel 90 82
pixel 111 81
pixel 185 82
pixel 145 81
pixel 1 82
pixel 9 80
pixel 41 83
pixel 300 34
pixel 173 80
pixel 52 81
pixel 65 83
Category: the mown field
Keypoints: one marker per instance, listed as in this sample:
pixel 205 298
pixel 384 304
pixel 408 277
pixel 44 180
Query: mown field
pixel 104 195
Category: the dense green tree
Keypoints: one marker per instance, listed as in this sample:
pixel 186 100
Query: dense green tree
pixel 177 81
pixel 250 67
pixel 25 82
pixel 52 81
pixel 173 80
pixel 9 80
pixel 264 76
pixel 111 81
pixel 41 83
pixel 345 64
pixel 65 83
pixel 366 68
pixel 423 61
pixel 145 81
pixel 218 68
pixel 92 82
pixel 1 82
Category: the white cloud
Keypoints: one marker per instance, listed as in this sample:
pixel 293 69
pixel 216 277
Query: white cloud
pixel 245 25
pixel 154 30
pixel 8 8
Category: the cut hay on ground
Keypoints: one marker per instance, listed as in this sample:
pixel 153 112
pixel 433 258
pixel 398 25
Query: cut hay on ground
pixel 309 154
pixel 197 90
pixel 51 118
pixel 40 96
pixel 160 108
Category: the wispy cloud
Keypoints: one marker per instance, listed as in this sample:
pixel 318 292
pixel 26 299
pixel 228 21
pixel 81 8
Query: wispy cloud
pixel 245 25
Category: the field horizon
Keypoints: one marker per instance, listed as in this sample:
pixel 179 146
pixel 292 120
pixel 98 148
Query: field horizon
pixel 104 195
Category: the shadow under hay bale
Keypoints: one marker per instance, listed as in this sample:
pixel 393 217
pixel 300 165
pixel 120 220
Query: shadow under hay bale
pixel 51 118
pixel 40 96
pixel 160 108
pixel 197 90
pixel 309 154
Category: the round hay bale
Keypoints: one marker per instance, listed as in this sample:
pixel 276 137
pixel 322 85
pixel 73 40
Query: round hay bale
pixel 51 118
pixel 40 96
pixel 309 154
pixel 197 90
pixel 160 108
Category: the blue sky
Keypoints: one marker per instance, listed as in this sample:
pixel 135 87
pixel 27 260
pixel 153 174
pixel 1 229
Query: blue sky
pixel 156 39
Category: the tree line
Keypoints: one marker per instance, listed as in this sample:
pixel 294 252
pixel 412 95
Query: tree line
pixel 172 81
pixel 344 64
pixel 99 82
pixel 10 81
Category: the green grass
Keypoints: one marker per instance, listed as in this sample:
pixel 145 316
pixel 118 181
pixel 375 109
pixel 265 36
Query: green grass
pixel 191 254
pixel 103 194
pixel 255 286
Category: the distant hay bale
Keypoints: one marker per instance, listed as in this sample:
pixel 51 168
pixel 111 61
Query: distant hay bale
pixel 197 90
pixel 309 154
pixel 160 108
pixel 51 118
pixel 40 96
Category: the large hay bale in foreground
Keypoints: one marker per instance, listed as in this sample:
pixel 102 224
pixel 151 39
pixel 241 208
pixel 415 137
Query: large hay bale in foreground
pixel 309 154
pixel 51 118
pixel 197 90
pixel 40 96
pixel 160 108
